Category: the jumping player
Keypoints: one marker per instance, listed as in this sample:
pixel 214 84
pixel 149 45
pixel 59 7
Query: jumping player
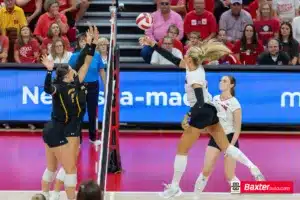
pixel 61 134
pixel 82 102
pixel 229 113
pixel 203 114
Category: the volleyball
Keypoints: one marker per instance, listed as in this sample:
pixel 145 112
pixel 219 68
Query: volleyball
pixel 144 21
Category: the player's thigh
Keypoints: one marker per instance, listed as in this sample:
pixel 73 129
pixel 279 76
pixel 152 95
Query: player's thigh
pixel 211 156
pixel 217 132
pixel 188 138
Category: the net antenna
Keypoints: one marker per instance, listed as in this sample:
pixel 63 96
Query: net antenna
pixel 110 114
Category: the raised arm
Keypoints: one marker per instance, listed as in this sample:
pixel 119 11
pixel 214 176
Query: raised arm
pixel 92 38
pixel 81 58
pixel 163 52
pixel 48 86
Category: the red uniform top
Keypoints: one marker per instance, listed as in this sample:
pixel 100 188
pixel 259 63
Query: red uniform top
pixel 176 44
pixel 44 23
pixel 209 5
pixel 229 45
pixel 266 29
pixel 205 23
pixel 248 56
pixel 26 52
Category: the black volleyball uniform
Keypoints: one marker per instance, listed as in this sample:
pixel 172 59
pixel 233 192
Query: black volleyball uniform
pixel 225 113
pixel 66 111
pixel 203 115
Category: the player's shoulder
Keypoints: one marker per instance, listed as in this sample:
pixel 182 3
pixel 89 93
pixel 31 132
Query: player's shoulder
pixel 234 101
pixel 216 98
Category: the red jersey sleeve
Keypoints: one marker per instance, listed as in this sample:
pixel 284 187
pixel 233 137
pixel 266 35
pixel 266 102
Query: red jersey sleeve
pixel 212 22
pixel 253 8
pixel 35 45
pixel 39 26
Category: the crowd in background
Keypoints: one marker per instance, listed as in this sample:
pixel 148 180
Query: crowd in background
pixel 264 32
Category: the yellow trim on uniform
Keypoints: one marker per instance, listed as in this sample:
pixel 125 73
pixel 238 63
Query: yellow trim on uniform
pixel 79 109
pixel 64 107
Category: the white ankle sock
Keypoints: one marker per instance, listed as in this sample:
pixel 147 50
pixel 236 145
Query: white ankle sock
pixel 239 156
pixel 200 183
pixel 179 168
pixel 234 179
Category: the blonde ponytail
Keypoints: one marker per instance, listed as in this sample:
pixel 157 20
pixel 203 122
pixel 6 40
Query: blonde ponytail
pixel 210 50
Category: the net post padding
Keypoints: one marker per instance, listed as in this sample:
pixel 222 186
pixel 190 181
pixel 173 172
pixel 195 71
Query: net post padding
pixel 114 164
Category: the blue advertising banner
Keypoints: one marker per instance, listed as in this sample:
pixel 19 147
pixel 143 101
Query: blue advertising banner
pixel 159 96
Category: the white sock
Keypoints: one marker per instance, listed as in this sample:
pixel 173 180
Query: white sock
pixel 234 179
pixel 179 168
pixel 200 183
pixel 239 156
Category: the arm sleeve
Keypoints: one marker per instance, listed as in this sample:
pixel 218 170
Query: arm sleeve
pixel 48 87
pixel 80 59
pixel 167 55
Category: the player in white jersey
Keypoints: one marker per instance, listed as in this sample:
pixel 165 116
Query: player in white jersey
pixel 230 117
pixel 203 114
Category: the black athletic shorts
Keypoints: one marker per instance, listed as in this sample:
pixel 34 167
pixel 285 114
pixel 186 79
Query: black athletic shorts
pixel 54 134
pixel 206 116
pixel 213 143
pixel 73 128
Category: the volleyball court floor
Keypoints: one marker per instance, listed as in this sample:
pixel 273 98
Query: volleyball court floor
pixel 147 161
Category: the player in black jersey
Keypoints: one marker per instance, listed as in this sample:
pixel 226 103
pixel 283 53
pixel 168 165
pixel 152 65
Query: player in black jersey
pixel 60 177
pixel 61 134
pixel 203 114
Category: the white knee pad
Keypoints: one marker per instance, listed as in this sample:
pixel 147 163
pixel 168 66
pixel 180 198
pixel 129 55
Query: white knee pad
pixel 70 180
pixel 61 174
pixel 48 176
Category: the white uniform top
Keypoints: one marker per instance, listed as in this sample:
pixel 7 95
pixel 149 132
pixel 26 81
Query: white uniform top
pixel 225 112
pixel 196 77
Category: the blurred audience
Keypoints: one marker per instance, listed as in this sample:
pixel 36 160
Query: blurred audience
pixel 173 33
pixel 286 10
pixel 296 28
pixel 32 10
pixel 102 48
pixel 209 5
pixel 201 20
pixel 54 33
pixel 249 47
pixel 222 37
pixel 234 21
pixel 4 45
pixel 26 49
pixel 89 190
pixel 163 18
pixel 287 43
pixel 273 55
pixel 59 53
pixel 266 25
pixel 52 15
pixel 221 6
pixel 194 40
pixel 168 45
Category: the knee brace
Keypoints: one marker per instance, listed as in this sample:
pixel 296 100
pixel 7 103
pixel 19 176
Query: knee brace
pixel 70 180
pixel 48 176
pixel 61 174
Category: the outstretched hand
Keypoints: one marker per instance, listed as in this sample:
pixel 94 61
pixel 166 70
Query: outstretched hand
pixel 92 35
pixel 145 40
pixel 49 64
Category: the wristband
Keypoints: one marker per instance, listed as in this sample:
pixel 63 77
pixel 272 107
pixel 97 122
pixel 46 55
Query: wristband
pixel 91 49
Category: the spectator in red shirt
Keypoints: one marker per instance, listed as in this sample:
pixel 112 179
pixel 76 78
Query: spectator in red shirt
pixel 26 49
pixel 209 5
pixel 201 20
pixel 46 19
pixel 194 40
pixel 53 34
pixel 222 37
pixel 4 45
pixel 254 7
pixel 173 33
pixel 32 10
pixel 249 47
pixel 266 25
